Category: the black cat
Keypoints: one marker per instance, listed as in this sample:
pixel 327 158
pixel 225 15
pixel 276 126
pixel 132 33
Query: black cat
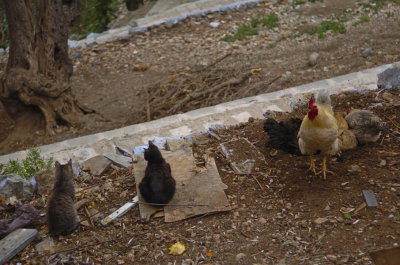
pixel 158 185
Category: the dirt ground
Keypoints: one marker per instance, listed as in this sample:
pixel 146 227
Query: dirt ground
pixel 189 61
pixel 281 213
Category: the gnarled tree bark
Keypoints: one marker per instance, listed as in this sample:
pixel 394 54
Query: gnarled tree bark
pixel 39 69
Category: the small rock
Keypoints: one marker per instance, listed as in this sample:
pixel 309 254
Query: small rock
pixel 140 67
pixel 75 55
pixel 326 69
pixel 389 78
pixel 331 257
pixel 313 59
pixel 133 23
pixel 214 24
pixel 242 197
pixel 382 163
pixel 262 220
pixel 367 52
pixel 327 208
pixel 14 185
pixel 188 262
pixel 303 224
pixel 320 220
pixel 2 51
pixel 45 246
pixel 240 256
pixel 354 168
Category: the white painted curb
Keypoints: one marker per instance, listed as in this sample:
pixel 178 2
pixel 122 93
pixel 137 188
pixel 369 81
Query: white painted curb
pixel 230 113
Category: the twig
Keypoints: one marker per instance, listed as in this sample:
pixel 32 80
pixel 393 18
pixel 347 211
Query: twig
pixel 89 217
pixel 259 184
pixel 98 184
pixel 234 81
pixel 214 63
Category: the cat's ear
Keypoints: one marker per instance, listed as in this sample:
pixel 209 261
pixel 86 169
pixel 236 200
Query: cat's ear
pixel 57 164
pixel 70 162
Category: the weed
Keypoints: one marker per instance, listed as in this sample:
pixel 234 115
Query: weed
pixel 336 27
pixel 28 167
pixel 270 21
pixel 241 34
pixel 363 19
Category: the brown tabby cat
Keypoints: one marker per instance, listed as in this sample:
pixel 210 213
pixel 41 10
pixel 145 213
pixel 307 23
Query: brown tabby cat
pixel 62 218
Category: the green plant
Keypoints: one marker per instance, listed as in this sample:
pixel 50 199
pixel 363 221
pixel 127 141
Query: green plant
pixel 95 16
pixel 28 167
pixel 335 26
pixel 363 19
pixel 271 21
pixel 241 33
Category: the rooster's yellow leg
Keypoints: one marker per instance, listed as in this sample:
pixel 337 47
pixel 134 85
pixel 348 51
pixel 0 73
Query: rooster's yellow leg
pixel 324 170
pixel 312 164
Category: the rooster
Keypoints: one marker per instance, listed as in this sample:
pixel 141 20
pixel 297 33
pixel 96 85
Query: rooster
pixel 319 131
pixel 283 135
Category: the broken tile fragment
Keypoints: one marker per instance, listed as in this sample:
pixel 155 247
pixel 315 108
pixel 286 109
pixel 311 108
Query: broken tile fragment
pixel 13 243
pixel 98 165
pixel 370 198
pixel 119 160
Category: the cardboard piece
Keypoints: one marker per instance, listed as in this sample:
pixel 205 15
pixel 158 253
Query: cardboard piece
pixel 194 186
pixel 386 256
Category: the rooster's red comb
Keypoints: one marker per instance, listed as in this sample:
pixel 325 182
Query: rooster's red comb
pixel 311 102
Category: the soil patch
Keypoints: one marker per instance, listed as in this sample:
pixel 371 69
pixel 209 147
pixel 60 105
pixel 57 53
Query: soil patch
pixel 189 67
pixel 280 212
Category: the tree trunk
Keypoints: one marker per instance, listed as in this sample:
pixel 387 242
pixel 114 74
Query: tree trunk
pixel 39 69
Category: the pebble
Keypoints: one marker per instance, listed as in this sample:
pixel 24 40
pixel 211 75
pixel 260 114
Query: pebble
pixel 133 23
pixel 320 220
pixel 367 52
pixel 240 256
pixel 262 220
pixel 354 168
pixel 75 55
pixel 214 24
pixel 140 67
pixel 313 59
pixel 331 257
pixel 303 224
